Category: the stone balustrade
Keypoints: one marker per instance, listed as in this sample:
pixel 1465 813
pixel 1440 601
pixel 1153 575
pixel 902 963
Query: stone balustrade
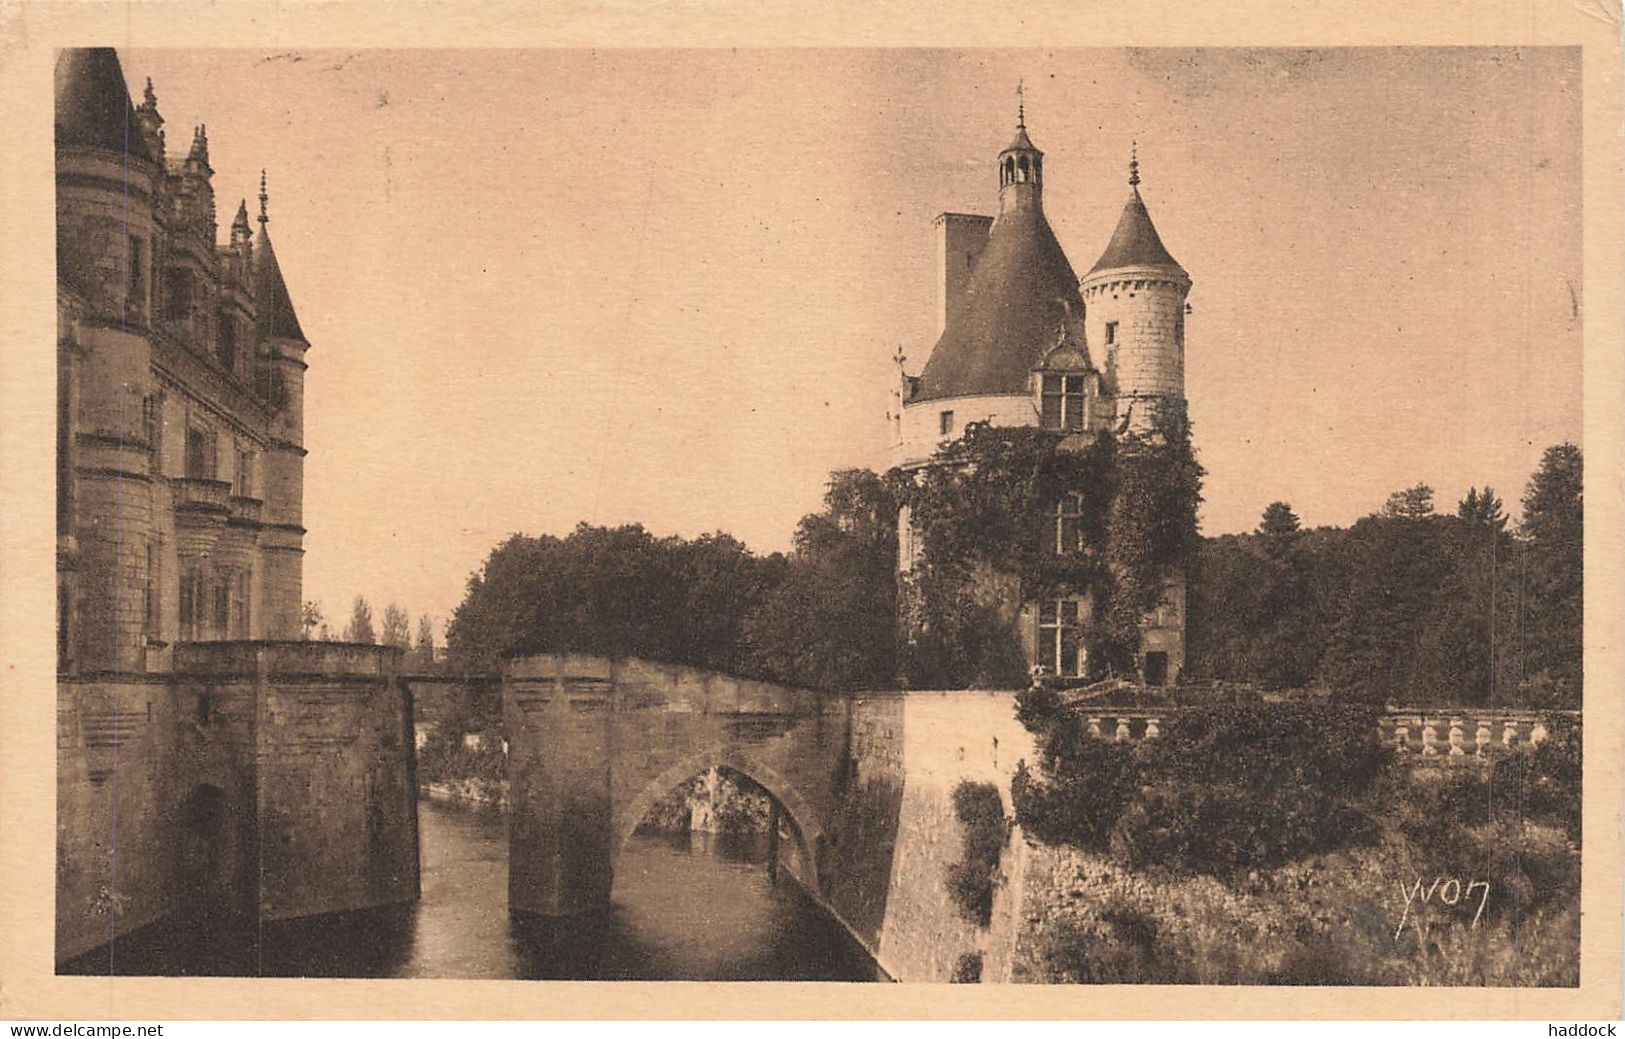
pixel 1431 736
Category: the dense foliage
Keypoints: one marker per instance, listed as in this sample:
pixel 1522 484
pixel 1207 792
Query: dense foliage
pixel 1406 605
pixel 821 617
pixel 983 512
pixel 985 830
pixel 1227 787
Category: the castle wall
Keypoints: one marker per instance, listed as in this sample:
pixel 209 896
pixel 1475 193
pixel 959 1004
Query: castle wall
pixel 266 779
pixel 131 752
pixel 920 433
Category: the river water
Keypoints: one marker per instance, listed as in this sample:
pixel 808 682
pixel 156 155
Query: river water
pixel 690 907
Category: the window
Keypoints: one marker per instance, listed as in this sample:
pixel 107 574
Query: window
pixel 178 296
pixel 1064 532
pixel 138 278
pixel 222 605
pixel 152 424
pixel 1111 332
pixel 200 454
pixel 945 423
pixel 228 341
pixel 1156 669
pixel 243 484
pixel 150 601
pixel 1058 638
pixel 1062 403
pixel 239 604
pixel 191 603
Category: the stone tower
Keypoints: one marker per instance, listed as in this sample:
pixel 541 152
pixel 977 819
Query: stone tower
pixel 283 347
pixel 1017 343
pixel 1135 300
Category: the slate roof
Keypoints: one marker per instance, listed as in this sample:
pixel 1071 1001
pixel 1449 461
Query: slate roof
pixel 1135 243
pixel 273 307
pixel 93 106
pixel 1008 314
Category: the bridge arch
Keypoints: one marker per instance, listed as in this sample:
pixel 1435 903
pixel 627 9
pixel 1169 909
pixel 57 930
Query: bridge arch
pixel 804 825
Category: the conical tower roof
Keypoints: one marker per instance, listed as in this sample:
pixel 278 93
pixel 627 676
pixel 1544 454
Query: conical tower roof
pixel 273 307
pixel 1017 295
pixel 1135 243
pixel 93 106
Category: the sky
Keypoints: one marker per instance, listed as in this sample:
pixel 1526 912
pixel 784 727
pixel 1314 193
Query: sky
pixel 665 286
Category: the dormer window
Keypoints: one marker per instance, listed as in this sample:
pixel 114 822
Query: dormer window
pixel 1062 403
pixel 945 423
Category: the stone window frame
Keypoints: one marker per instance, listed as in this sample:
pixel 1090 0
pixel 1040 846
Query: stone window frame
pixel 1063 533
pixel 152 591
pixel 242 477
pixel 1053 644
pixel 1070 397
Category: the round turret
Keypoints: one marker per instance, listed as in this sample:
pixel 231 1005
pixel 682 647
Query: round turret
pixel 1135 300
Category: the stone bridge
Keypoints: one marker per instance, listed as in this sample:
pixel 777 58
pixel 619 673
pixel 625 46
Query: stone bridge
pixel 863 781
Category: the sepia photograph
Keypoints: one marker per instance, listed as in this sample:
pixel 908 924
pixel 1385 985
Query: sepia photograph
pixel 1101 516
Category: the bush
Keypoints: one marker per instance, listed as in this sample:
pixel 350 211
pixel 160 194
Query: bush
pixel 967 969
pixel 1119 947
pixel 970 881
pixel 1236 786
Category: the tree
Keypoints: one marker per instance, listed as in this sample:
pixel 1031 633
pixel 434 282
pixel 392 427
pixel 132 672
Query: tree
pixel 1278 520
pixel 1482 509
pixel 611 591
pixel 425 644
pixel 1552 619
pixel 360 627
pixel 1413 503
pixel 311 620
pixel 397 628
pixel 830 623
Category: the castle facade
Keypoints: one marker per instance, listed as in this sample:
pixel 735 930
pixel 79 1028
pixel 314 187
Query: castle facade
pixel 1022 341
pixel 180 394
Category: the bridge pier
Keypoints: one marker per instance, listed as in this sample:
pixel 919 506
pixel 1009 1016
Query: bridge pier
pixel 560 751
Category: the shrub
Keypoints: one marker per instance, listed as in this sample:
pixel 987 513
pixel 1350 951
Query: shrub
pixel 1119 947
pixel 1242 785
pixel 970 881
pixel 967 969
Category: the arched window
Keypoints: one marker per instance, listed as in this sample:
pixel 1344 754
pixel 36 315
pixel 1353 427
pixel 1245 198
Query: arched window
pixel 1024 167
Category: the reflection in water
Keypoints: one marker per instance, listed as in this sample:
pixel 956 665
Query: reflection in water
pixel 696 907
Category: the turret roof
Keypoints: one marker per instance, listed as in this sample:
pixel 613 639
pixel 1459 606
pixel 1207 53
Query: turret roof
pixel 1022 142
pixel 93 106
pixel 1135 243
pixel 1018 294
pixel 273 307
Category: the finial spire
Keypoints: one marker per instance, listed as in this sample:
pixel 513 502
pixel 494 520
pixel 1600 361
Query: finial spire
pixel 1134 164
pixel 263 219
pixel 148 95
pixel 1021 106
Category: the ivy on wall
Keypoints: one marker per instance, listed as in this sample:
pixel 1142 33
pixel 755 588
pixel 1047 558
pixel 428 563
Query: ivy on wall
pixel 983 512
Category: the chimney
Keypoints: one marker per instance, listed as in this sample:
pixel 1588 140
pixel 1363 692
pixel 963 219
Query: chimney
pixel 961 237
